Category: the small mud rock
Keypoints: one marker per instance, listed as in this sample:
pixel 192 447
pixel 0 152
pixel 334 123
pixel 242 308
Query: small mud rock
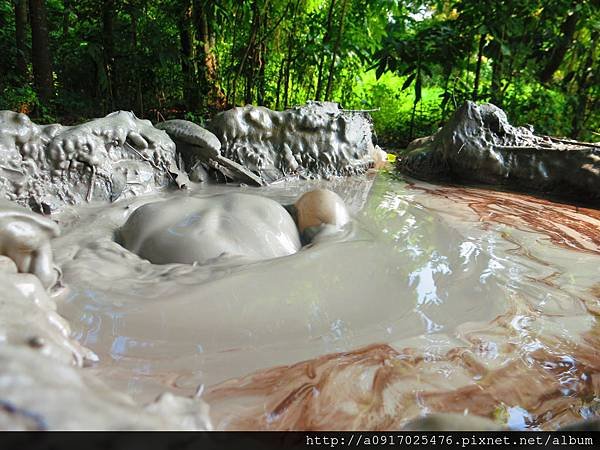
pixel 25 238
pixel 200 153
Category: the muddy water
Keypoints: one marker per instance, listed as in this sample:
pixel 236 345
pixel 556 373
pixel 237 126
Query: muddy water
pixel 435 299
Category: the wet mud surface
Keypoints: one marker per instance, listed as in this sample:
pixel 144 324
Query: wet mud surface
pixel 433 299
pixel 479 145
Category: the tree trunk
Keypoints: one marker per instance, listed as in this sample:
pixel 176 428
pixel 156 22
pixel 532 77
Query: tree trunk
pixel 496 85
pixel 21 36
pixel 65 22
pixel 109 48
pixel 585 78
pixel 288 62
pixel 250 52
pixel 137 84
pixel 254 56
pixel 446 98
pixel 418 81
pixel 336 49
pixel 475 95
pixel 286 77
pixel 558 53
pixel 260 62
pixel 191 96
pixel 40 51
pixel 207 60
pixel 326 39
pixel 231 89
pixel 508 74
pixel 279 80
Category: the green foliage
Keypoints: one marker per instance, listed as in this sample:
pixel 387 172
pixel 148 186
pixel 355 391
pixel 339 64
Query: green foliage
pixel 19 98
pixel 393 108
pixel 533 103
pixel 415 62
pixel 195 117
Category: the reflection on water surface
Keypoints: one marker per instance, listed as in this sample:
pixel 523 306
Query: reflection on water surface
pixel 437 299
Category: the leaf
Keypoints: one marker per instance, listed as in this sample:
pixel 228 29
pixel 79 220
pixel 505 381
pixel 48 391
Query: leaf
pixel 380 69
pixel 418 89
pixel 409 69
pixel 408 81
pixel 445 99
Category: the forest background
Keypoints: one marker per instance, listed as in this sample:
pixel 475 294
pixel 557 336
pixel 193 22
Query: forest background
pixel 411 62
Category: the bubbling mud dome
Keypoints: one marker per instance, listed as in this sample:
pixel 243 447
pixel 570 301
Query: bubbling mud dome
pixel 204 230
pixel 221 306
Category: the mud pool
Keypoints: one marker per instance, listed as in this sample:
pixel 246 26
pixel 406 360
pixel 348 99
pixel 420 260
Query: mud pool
pixel 434 299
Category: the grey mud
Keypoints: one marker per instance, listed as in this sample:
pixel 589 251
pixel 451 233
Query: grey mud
pixel 151 297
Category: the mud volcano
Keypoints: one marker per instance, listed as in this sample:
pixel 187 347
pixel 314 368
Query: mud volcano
pixel 176 282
